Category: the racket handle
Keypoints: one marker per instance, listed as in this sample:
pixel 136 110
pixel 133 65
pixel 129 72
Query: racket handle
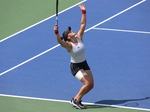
pixel 56 21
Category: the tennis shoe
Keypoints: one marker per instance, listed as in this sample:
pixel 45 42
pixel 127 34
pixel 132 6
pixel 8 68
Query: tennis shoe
pixel 77 104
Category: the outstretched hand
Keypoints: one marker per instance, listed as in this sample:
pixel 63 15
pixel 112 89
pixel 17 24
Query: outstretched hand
pixel 82 7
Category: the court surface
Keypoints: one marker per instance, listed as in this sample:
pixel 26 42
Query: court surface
pixel 34 68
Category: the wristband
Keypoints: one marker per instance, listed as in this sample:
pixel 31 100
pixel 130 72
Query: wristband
pixel 56 32
pixel 83 11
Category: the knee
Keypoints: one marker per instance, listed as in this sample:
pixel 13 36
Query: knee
pixel 90 85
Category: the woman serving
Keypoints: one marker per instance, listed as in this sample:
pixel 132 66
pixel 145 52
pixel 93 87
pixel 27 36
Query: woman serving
pixel 73 43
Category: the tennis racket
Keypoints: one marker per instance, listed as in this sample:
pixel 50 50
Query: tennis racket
pixel 57 12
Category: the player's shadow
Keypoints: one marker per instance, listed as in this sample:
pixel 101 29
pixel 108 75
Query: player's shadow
pixel 115 102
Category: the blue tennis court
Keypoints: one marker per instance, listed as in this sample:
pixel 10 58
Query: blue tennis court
pixel 117 38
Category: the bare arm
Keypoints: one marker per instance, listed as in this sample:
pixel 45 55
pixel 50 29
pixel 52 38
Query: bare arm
pixel 63 43
pixel 83 21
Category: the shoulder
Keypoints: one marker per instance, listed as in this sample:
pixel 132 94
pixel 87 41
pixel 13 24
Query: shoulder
pixel 79 37
pixel 69 46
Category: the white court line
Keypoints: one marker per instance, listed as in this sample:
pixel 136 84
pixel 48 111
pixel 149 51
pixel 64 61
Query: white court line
pixel 44 99
pixel 59 45
pixel 29 60
pixel 117 14
pixel 41 21
pixel 130 31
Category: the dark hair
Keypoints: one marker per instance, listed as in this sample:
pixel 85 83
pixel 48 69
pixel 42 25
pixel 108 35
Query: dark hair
pixel 65 34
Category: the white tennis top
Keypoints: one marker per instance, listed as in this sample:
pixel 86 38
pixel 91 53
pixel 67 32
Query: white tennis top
pixel 78 52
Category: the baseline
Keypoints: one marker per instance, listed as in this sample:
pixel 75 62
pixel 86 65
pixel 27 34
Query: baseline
pixel 44 99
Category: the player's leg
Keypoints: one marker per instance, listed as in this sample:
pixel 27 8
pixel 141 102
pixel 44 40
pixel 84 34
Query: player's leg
pixel 88 82
pixel 87 79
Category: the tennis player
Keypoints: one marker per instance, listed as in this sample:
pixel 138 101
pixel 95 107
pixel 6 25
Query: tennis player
pixel 79 67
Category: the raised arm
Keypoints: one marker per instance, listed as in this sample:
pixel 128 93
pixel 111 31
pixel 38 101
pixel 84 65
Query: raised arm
pixel 83 21
pixel 63 43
